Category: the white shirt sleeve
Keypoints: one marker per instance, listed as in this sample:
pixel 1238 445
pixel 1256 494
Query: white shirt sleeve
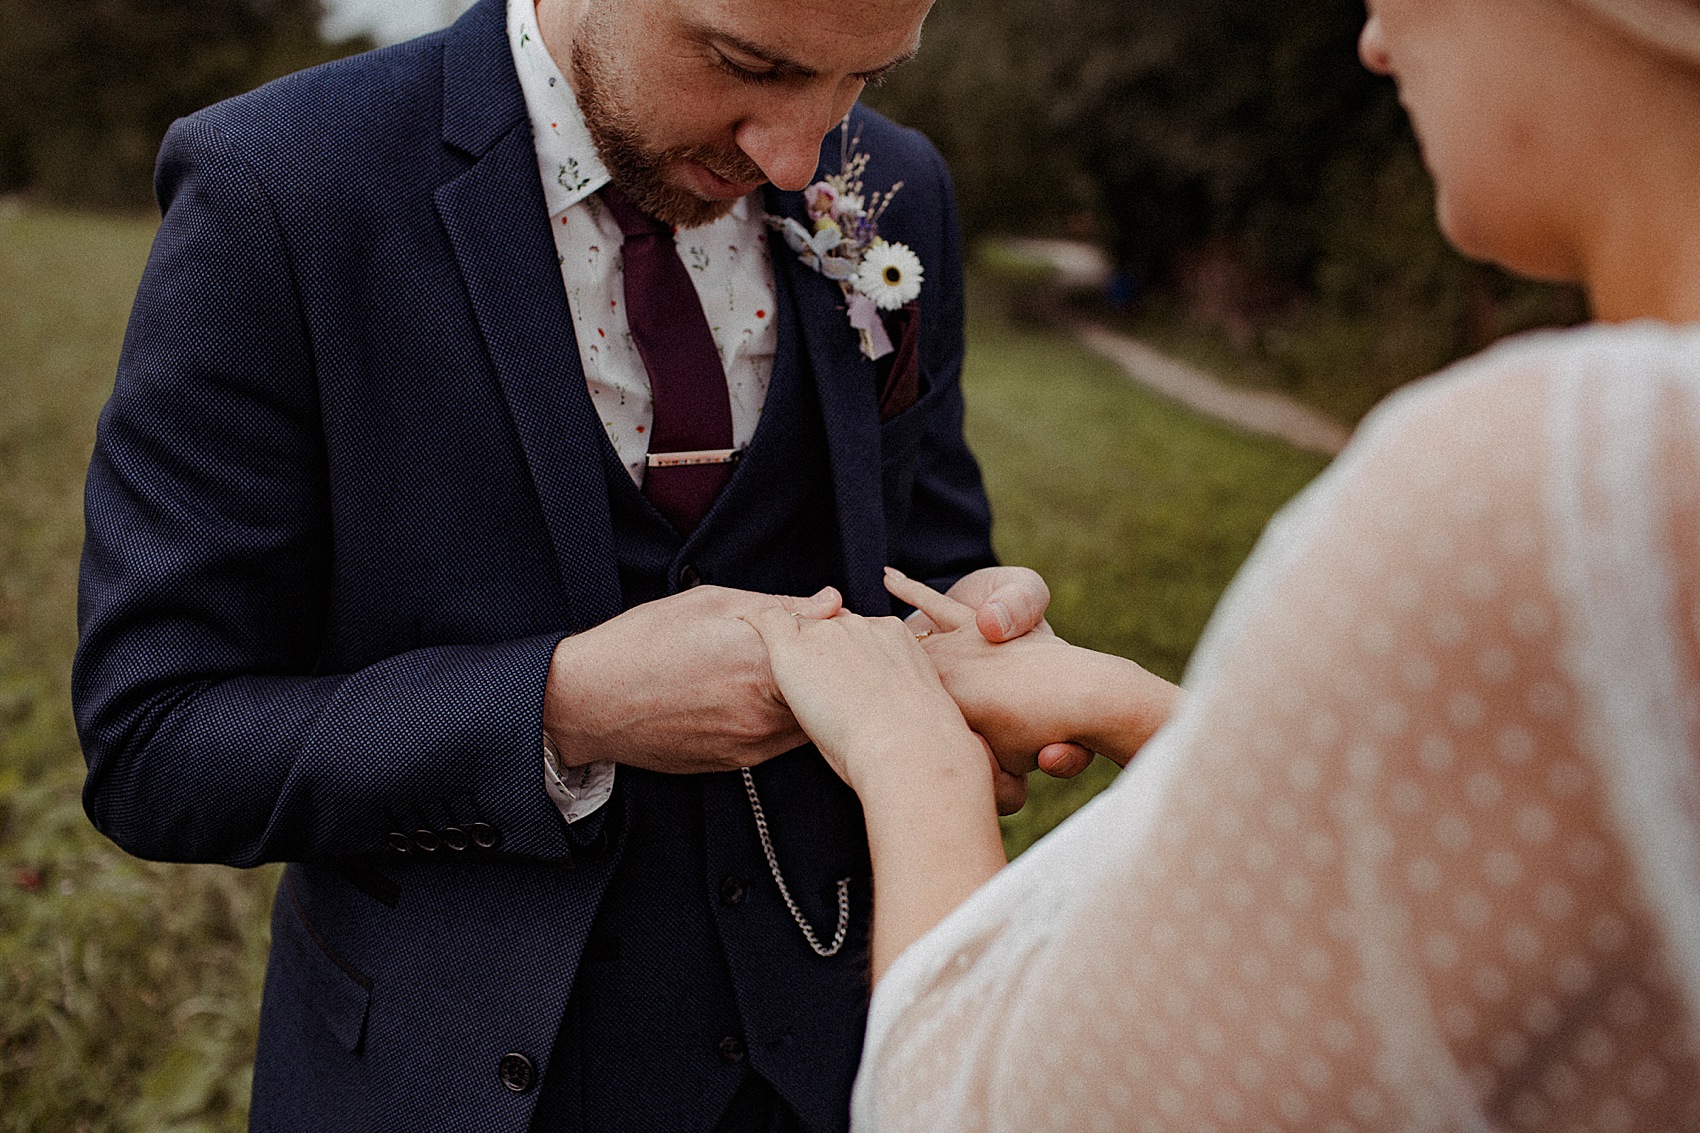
pixel 578 792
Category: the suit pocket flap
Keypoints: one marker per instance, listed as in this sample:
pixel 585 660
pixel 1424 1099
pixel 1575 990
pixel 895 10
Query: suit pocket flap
pixel 337 991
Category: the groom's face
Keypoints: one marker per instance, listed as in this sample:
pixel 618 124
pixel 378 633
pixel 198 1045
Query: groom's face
pixel 696 103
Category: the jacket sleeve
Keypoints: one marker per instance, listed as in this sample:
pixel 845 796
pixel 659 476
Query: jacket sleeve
pixel 210 729
pixel 947 532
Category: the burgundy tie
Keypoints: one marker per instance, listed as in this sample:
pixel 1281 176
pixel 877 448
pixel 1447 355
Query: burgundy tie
pixel 690 443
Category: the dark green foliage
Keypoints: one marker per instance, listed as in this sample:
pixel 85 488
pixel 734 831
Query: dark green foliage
pixel 89 86
pixel 128 991
pixel 1261 186
pixel 1190 123
pixel 982 90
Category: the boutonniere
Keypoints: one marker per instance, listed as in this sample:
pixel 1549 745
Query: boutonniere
pixel 842 241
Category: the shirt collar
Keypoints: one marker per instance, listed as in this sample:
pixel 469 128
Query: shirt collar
pixel 566 154
pixel 572 169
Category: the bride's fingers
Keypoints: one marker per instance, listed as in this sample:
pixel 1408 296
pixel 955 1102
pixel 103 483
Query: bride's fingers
pixel 825 603
pixel 946 612
pixel 776 625
pixel 1009 790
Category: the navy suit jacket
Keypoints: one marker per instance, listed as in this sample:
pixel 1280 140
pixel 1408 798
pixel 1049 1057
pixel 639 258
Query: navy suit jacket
pixel 347 497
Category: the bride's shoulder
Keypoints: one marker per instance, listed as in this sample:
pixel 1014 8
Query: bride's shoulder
pixel 1495 413
pixel 1508 381
pixel 1487 440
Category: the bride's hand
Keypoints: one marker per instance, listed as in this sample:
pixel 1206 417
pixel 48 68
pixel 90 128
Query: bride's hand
pixel 868 697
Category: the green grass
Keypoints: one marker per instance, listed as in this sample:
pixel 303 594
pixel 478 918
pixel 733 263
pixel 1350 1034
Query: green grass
pixel 129 991
pixel 1136 511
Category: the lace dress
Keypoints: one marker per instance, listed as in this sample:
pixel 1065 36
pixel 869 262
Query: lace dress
pixel 1422 851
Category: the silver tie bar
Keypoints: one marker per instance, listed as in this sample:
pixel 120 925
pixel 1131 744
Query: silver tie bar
pixel 700 456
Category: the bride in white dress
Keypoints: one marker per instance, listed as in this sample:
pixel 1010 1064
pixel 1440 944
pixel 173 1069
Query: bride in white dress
pixel 1420 847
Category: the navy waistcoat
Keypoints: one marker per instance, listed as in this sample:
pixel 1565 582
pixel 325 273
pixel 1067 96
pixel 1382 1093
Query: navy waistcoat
pixel 695 972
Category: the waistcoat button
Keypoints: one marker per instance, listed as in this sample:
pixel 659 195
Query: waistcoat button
pixel 731 1049
pixel 689 576
pixel 731 891
pixel 516 1072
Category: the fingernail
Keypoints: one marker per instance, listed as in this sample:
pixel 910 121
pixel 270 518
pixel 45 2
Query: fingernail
pixel 1000 612
pixel 821 593
pixel 893 572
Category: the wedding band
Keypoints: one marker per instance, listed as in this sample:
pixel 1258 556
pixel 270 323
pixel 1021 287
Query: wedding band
pixel 923 635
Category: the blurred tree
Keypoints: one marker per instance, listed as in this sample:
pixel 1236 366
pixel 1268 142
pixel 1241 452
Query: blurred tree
pixel 984 89
pixel 1183 124
pixel 1238 161
pixel 88 87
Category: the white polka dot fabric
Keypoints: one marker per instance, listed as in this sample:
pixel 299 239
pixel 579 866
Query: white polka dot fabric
pixel 1422 850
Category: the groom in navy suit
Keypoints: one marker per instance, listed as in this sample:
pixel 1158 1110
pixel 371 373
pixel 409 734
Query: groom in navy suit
pixel 382 581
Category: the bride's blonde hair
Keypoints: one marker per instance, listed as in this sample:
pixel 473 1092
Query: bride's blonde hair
pixel 1670 26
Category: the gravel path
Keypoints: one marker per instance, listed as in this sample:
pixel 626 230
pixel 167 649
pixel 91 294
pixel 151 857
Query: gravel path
pixel 1085 267
pixel 1254 411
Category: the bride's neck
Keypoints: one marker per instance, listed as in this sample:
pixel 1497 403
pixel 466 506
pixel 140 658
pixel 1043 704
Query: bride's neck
pixel 1647 269
pixel 1640 252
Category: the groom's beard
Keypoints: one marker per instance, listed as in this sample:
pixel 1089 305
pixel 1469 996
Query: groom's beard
pixel 639 170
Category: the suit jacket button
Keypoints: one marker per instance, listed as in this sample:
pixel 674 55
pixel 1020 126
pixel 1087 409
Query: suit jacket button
pixel 455 838
pixel 731 1050
pixel 689 577
pixel 484 836
pixel 426 840
pixel 731 891
pixel 516 1072
pixel 399 842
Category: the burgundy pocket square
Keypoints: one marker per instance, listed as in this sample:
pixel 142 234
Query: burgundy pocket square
pixel 900 371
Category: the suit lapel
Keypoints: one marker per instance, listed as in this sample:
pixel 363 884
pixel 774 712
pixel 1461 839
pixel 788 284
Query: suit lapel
pixel 496 220
pixel 844 382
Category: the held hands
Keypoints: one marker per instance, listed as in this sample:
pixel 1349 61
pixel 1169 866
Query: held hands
pixel 1004 604
pixel 868 697
pixel 869 691
pixel 715 679
pixel 678 685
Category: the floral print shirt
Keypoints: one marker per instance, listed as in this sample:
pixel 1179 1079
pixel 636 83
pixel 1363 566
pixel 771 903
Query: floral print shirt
pixel 728 261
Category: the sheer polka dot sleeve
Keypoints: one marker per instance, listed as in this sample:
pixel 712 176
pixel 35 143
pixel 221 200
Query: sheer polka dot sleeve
pixel 1416 852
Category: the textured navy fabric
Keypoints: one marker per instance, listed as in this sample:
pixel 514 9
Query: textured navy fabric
pixel 693 945
pixel 347 496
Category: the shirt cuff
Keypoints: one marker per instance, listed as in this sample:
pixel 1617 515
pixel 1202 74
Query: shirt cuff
pixel 578 792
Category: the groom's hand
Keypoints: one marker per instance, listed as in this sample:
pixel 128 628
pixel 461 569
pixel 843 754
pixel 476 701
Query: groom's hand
pixel 679 685
pixel 1008 602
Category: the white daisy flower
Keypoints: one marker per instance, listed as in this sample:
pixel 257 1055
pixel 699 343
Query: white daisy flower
pixel 890 275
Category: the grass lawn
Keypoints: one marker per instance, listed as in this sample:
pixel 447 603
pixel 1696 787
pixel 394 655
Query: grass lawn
pixel 1136 511
pixel 128 991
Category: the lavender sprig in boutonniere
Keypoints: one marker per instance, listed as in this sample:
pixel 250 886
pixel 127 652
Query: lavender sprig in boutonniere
pixel 843 243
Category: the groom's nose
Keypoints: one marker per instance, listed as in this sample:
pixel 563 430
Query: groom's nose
pixel 785 136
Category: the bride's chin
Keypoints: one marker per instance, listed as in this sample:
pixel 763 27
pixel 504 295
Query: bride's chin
pixel 1514 238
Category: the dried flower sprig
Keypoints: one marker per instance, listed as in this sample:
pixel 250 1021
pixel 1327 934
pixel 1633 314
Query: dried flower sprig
pixel 842 242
